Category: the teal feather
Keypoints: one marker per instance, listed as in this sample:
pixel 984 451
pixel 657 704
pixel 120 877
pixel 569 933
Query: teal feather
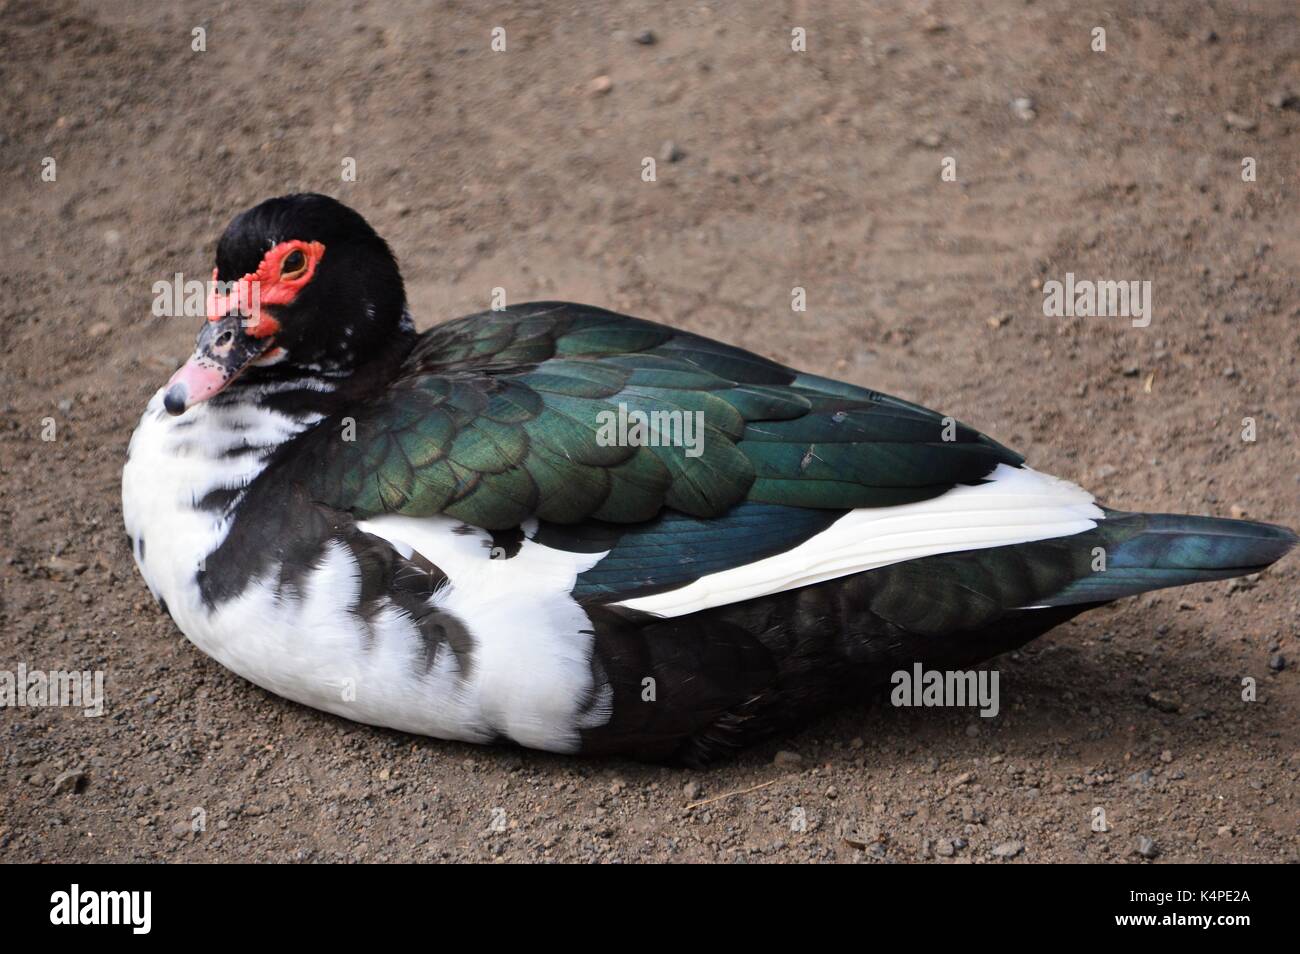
pixel 497 417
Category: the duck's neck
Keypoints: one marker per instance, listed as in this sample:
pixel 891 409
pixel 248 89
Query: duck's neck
pixel 188 478
pixel 185 477
pixel 319 390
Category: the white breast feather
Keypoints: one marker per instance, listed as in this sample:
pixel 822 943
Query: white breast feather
pixel 530 672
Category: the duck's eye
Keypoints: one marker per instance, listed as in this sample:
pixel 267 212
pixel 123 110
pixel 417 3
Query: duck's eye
pixel 294 264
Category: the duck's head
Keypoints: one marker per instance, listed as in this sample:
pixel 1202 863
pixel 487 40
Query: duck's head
pixel 302 283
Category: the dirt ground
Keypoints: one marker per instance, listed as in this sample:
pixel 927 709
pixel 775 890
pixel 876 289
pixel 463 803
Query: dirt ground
pixel 775 169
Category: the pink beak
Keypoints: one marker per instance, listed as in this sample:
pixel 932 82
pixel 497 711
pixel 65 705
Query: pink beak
pixel 195 381
pixel 222 352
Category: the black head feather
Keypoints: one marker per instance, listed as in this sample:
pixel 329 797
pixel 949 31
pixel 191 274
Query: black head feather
pixel 355 302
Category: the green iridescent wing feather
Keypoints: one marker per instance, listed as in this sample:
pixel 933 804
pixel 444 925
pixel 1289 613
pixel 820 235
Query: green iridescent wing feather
pixel 497 417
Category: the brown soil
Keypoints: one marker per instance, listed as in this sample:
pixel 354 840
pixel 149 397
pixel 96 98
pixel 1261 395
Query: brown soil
pixel 818 169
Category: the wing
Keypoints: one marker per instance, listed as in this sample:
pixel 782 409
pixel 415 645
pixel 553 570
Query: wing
pixel 569 413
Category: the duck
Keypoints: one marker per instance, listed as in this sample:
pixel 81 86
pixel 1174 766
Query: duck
pixel 562 528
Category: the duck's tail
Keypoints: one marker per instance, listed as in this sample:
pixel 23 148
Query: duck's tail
pixel 1131 553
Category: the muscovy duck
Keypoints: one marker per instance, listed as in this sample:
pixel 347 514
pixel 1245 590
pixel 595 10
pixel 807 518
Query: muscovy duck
pixel 579 531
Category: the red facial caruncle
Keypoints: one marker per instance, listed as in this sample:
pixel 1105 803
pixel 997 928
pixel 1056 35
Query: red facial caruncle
pixel 284 271
pixel 239 329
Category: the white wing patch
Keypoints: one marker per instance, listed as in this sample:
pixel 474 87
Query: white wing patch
pixel 1014 505
pixel 533 642
pixel 466 555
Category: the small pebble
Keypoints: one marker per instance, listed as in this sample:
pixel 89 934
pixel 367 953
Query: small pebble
pixel 1141 779
pixel 1284 99
pixel 1008 849
pixel 70 782
pixel 1163 701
